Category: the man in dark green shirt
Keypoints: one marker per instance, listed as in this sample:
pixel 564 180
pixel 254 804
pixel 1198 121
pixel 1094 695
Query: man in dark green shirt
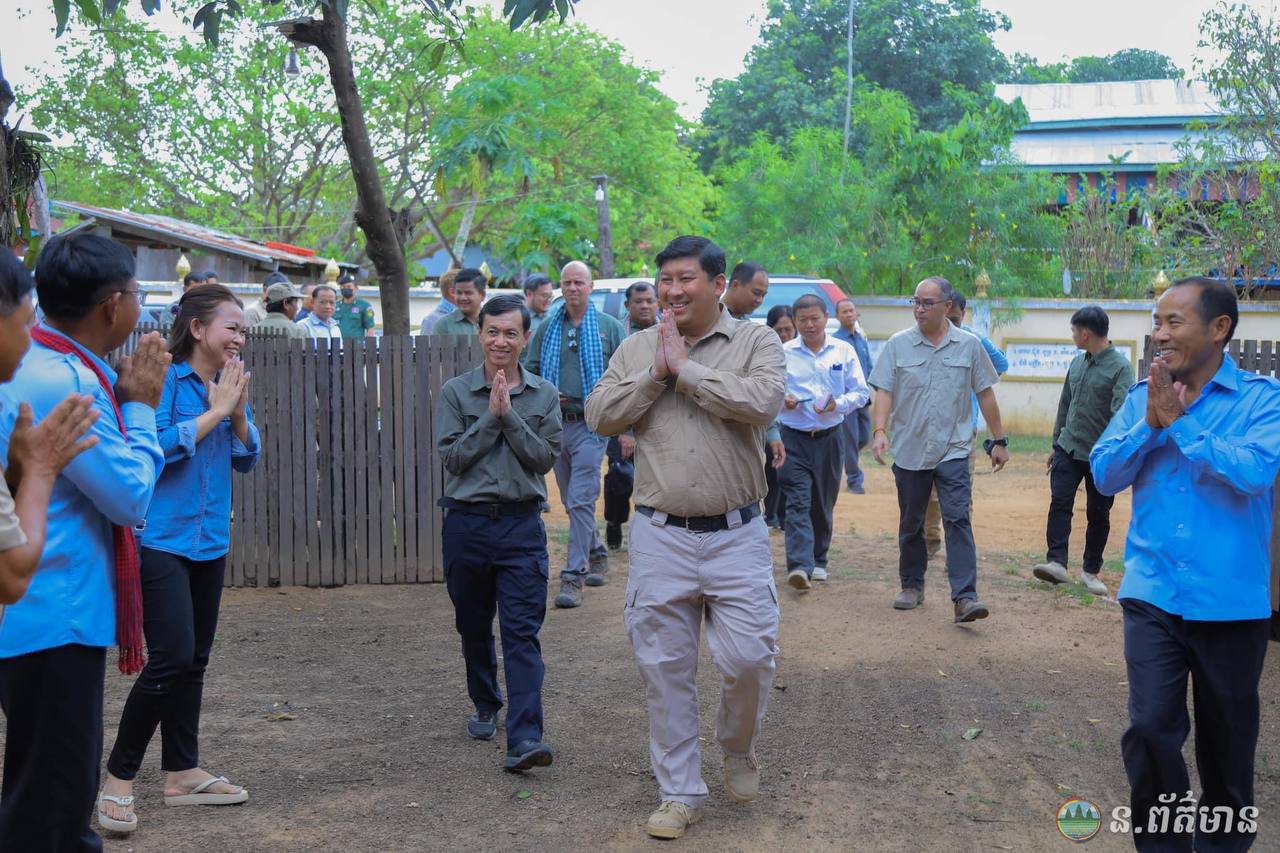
pixel 355 315
pixel 498 433
pixel 1096 385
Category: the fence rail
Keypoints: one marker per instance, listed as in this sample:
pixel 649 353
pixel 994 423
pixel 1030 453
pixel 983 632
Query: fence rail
pixel 345 490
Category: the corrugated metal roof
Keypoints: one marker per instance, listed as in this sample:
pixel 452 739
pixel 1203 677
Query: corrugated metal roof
pixel 1141 101
pixel 1146 147
pixel 185 234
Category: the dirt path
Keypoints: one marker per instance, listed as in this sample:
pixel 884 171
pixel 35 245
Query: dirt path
pixel 862 747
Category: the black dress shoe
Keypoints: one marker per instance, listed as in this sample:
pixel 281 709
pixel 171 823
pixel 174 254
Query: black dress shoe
pixel 528 754
pixel 483 725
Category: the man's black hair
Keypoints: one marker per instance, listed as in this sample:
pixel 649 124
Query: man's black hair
pixel 276 277
pixel 505 304
pixel 77 271
pixel 1093 318
pixel 1217 299
pixel 635 287
pixel 193 278
pixel 208 274
pixel 810 300
pixel 710 256
pixel 533 282
pixel 745 272
pixel 958 300
pixel 15 283
pixel 473 275
pixel 776 313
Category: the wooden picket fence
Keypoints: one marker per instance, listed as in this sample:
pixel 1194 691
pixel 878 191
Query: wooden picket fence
pixel 1261 357
pixel 345 490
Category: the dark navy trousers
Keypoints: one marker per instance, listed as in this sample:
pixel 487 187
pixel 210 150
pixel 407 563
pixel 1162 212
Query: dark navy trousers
pixel 498 566
pixel 1224 660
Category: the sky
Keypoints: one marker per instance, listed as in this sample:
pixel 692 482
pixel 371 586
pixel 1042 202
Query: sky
pixel 692 42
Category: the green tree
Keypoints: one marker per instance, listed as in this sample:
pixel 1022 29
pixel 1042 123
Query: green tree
pixel 1246 77
pixel 1128 64
pixel 929 50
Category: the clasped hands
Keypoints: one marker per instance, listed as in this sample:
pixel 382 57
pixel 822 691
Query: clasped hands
pixel 500 395
pixel 672 351
pixel 1166 398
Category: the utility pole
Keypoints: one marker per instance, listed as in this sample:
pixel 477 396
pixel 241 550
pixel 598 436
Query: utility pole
pixel 848 96
pixel 603 225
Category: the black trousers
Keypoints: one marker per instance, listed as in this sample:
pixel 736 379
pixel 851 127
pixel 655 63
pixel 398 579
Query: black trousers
pixel 810 482
pixel 775 508
pixel 619 483
pixel 52 703
pixel 955 494
pixel 1224 660
pixel 180 600
pixel 1064 481
pixel 499 566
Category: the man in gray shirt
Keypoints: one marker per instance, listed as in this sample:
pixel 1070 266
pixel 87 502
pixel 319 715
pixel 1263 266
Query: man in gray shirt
pixel 498 433
pixel 923 380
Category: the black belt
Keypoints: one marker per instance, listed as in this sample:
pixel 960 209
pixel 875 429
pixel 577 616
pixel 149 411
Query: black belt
pixel 492 510
pixel 572 416
pixel 704 523
pixel 811 433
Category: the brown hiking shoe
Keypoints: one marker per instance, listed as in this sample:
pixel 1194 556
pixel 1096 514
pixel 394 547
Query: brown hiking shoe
pixel 909 599
pixel 970 609
pixel 741 778
pixel 570 593
pixel 672 819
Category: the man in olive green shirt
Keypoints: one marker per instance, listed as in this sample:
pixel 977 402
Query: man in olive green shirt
pixel 1096 385
pixel 498 433
pixel 571 349
pixel 282 308
pixel 468 295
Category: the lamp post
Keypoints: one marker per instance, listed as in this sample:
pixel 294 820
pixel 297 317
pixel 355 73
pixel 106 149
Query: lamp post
pixel 604 226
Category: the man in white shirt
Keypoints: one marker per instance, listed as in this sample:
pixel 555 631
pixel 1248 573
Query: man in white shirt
pixel 824 384
pixel 320 323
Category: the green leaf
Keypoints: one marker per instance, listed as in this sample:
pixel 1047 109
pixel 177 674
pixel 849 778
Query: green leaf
pixel 89 8
pixel 524 9
pixel 62 11
pixel 972 734
pixel 523 795
pixel 109 7
pixel 437 54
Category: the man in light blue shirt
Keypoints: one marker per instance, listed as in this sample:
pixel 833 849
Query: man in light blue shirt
pixel 1199 442
pixel 824 384
pixel 320 324
pixel 53 642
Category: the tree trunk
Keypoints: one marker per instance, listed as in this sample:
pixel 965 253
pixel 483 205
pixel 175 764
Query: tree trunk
pixel 371 214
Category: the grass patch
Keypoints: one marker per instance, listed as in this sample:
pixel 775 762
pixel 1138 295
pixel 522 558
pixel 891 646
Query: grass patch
pixel 1038 445
pixel 1037 705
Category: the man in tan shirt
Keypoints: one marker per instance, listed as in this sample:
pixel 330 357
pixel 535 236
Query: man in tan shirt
pixel 698 390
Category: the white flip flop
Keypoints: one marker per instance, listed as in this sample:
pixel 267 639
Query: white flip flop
pixel 200 796
pixel 107 822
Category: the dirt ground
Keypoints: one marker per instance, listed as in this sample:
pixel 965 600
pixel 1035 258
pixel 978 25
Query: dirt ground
pixel 863 747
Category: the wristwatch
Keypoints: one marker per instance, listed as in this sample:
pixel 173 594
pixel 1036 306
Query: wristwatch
pixel 990 443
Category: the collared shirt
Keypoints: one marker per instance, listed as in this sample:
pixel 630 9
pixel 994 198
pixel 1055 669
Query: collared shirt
pixel 629 329
pixel 998 360
pixel 319 330
pixel 355 317
pixel 1202 497
pixel 497 460
pixel 931 385
pixel 1093 392
pixel 190 514
pixel 570 384
pixel 535 320
pixel 860 345
pixel 832 372
pixel 442 308
pixel 279 324
pixel 71 598
pixel 455 323
pixel 699 438
pixel 254 312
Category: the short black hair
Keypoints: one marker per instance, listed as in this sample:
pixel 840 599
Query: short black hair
pixel 276 277
pixel 193 278
pixel 745 271
pixel 15 283
pixel 473 275
pixel 710 256
pixel 1217 299
pixel 320 287
pixel 505 304
pixel 636 286
pixel 958 300
pixel 776 313
pixel 949 292
pixel 76 271
pixel 1093 318
pixel 810 300
pixel 208 274
pixel 533 282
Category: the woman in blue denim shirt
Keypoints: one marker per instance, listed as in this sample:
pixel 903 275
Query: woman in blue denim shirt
pixel 206 431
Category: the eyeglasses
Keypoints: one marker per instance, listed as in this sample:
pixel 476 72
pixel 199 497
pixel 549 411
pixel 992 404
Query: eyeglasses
pixel 137 293
pixel 926 304
pixel 572 337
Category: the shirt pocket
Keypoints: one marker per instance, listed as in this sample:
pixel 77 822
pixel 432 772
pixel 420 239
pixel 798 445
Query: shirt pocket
pixel 913 375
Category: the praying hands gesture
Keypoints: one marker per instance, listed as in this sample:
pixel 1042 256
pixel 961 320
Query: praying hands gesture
pixel 499 395
pixel 141 375
pixel 227 396
pixel 1166 399
pixel 42 450
pixel 672 351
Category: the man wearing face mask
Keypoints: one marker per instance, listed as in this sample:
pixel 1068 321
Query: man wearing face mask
pixel 355 315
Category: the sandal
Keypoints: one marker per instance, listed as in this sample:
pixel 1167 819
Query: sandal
pixel 108 822
pixel 200 796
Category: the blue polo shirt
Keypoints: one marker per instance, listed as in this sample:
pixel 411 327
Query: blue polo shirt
pixel 71 598
pixel 190 514
pixel 1202 497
